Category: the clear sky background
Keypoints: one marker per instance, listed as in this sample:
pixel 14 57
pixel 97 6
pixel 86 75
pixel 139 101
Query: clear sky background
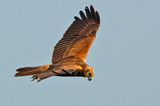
pixel 125 55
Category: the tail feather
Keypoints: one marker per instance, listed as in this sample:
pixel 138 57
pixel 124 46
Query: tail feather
pixel 26 71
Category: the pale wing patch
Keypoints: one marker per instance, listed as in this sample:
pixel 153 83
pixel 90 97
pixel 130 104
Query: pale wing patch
pixel 80 48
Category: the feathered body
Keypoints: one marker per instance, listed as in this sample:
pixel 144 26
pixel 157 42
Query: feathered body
pixel 70 52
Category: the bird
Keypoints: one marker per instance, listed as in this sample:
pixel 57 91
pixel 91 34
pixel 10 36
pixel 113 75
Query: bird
pixel 70 53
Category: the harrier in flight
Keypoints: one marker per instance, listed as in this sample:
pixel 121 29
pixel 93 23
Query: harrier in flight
pixel 69 55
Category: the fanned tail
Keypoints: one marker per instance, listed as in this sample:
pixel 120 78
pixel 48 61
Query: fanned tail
pixel 36 72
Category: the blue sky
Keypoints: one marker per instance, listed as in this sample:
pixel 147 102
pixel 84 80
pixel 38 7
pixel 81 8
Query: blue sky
pixel 125 55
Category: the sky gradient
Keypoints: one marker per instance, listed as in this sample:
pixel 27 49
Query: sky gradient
pixel 125 55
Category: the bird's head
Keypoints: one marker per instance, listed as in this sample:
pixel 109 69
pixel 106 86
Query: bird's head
pixel 88 72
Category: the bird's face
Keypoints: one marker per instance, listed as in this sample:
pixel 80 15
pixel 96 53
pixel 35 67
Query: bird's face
pixel 89 73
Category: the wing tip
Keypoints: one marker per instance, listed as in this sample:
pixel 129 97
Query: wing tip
pixel 90 13
pixel 95 14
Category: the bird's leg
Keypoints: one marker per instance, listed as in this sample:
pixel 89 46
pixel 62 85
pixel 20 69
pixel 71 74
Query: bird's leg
pixel 34 77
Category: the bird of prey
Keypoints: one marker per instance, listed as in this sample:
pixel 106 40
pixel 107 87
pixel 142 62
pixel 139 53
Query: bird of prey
pixel 69 55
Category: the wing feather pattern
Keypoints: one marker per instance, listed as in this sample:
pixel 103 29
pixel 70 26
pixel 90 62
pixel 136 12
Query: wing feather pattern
pixel 79 37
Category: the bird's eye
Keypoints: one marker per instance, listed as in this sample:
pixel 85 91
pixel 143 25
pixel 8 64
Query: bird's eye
pixel 89 74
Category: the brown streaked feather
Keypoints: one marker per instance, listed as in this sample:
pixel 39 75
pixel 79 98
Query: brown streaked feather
pixel 26 71
pixel 79 37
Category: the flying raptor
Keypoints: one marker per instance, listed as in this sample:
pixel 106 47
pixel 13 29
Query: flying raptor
pixel 69 55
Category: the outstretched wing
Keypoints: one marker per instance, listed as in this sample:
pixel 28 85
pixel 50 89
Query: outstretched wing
pixel 79 37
